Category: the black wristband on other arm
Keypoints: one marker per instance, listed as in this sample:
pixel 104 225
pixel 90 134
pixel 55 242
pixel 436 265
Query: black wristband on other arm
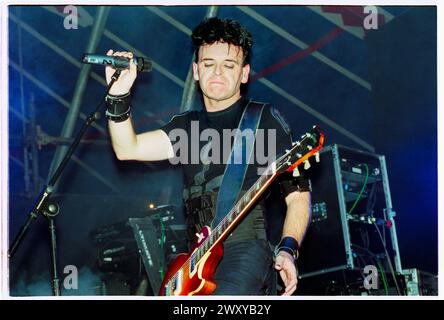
pixel 118 107
pixel 289 245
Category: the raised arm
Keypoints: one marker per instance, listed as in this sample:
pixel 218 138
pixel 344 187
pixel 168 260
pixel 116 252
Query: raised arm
pixel 149 146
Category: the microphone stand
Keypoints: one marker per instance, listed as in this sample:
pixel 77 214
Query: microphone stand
pixel 49 209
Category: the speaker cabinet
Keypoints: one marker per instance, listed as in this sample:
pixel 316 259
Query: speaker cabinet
pixel 352 217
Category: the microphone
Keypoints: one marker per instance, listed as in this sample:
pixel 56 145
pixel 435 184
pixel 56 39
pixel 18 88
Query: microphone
pixel 143 64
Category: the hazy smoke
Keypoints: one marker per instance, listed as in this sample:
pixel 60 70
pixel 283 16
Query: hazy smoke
pixel 89 284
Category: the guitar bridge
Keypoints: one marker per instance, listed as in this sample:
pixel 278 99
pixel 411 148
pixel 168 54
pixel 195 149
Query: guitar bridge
pixel 173 287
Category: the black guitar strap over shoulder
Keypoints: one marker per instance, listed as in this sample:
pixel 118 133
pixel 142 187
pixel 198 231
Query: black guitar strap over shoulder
pixel 240 157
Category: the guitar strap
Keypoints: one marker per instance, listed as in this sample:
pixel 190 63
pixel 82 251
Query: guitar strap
pixel 240 157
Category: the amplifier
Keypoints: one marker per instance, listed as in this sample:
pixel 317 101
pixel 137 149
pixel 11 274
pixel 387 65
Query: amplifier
pixel 352 217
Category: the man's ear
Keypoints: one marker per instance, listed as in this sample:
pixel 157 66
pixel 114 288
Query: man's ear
pixel 195 72
pixel 245 73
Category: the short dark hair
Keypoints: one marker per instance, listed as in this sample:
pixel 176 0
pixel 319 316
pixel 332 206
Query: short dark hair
pixel 229 31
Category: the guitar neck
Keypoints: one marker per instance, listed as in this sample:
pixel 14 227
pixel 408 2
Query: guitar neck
pixel 240 209
pixel 301 150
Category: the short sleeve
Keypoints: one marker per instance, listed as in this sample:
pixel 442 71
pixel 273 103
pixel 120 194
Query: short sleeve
pixel 179 121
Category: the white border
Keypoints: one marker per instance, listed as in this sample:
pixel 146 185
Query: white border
pixel 4 293
pixel 4 209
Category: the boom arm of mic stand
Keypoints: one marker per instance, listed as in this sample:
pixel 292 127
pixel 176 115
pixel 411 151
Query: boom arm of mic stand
pixel 40 204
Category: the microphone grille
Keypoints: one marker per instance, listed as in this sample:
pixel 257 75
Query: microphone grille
pixel 144 65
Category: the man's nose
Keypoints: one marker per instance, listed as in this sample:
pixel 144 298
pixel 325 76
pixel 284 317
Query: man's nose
pixel 218 70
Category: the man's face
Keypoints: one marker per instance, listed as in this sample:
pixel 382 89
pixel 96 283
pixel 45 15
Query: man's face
pixel 220 72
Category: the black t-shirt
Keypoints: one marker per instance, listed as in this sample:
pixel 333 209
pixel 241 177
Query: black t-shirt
pixel 197 170
pixel 226 119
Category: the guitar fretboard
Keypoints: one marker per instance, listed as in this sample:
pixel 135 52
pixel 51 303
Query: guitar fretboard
pixel 227 221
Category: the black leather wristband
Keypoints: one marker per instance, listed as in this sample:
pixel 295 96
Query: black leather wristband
pixel 118 107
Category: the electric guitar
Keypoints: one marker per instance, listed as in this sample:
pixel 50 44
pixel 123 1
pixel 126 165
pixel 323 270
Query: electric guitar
pixel 193 273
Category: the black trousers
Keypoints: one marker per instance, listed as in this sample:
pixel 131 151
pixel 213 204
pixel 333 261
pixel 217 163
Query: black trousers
pixel 246 269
